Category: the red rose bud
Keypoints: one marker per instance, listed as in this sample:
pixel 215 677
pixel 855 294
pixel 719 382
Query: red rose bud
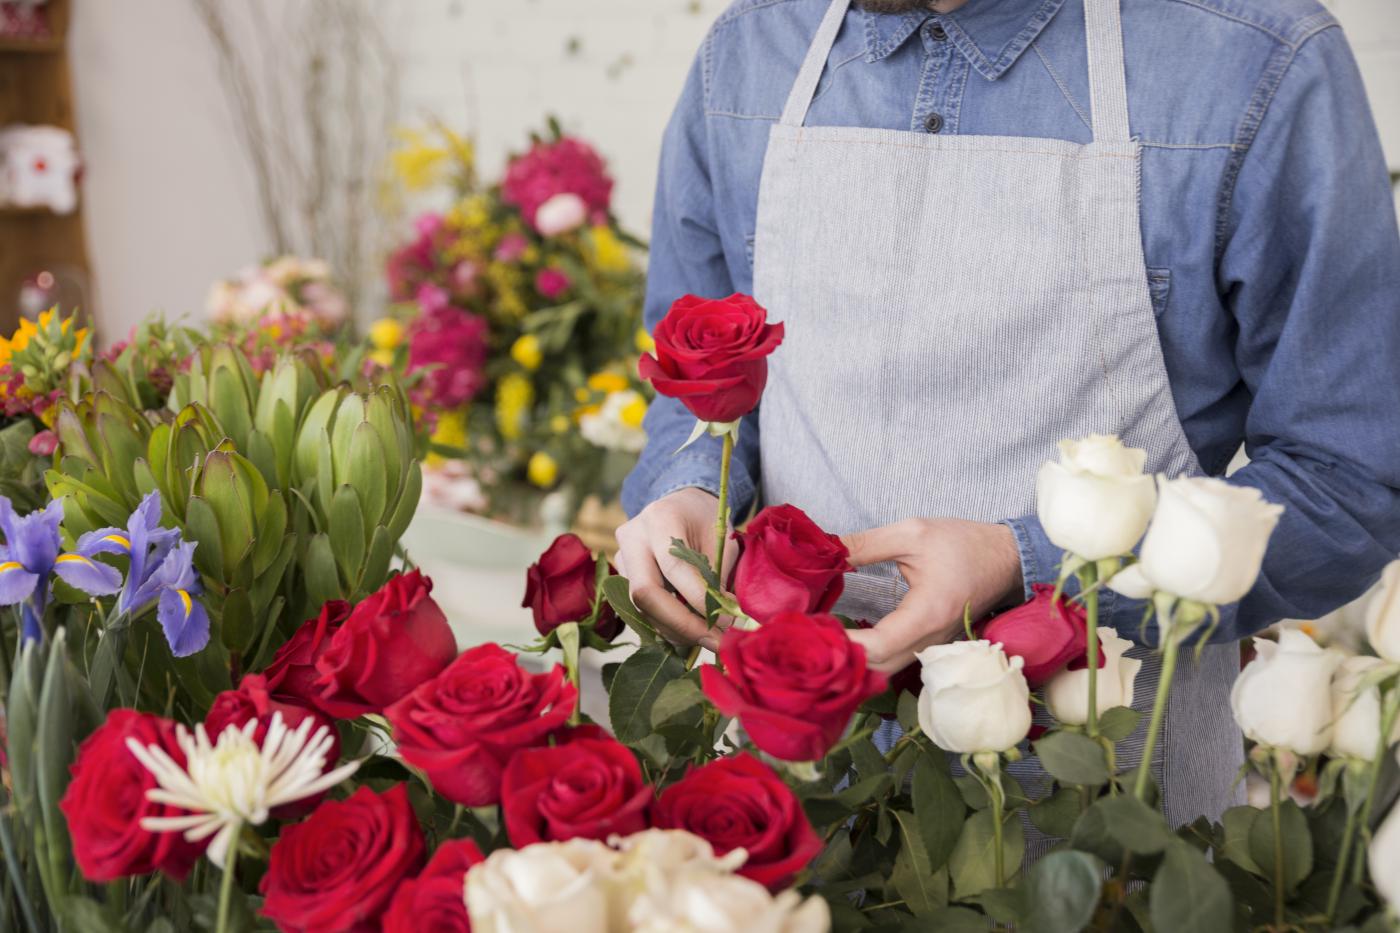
pixel 587 788
pixel 788 564
pixel 740 803
pixel 793 684
pixel 390 643
pixel 1045 634
pixel 106 801
pixel 338 869
pixel 462 727
pixel 561 588
pixel 291 677
pixel 712 355
pixel 434 900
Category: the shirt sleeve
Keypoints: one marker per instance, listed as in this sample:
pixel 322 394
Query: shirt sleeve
pixel 1309 270
pixel 687 257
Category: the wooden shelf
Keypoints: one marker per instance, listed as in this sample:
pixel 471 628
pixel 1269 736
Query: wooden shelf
pixel 48 45
pixel 11 211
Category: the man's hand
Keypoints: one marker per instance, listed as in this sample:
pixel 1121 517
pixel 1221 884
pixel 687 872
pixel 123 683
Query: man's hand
pixel 948 563
pixel 644 558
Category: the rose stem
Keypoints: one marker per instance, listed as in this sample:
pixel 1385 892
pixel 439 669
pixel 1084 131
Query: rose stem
pixel 1275 792
pixel 1334 893
pixel 226 886
pixel 994 785
pixel 1170 647
pixel 1088 577
pixel 722 513
pixel 1391 709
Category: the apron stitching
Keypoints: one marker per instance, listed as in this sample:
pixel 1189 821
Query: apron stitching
pixel 1079 157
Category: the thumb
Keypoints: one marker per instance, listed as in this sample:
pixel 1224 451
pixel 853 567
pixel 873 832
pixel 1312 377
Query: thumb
pixel 876 545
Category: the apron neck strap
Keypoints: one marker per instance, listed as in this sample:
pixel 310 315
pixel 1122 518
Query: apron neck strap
pixel 1103 29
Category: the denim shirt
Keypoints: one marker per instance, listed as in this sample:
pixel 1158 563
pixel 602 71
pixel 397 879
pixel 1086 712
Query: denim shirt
pixel 1268 227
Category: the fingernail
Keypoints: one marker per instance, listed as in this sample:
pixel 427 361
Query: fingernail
pixel 710 643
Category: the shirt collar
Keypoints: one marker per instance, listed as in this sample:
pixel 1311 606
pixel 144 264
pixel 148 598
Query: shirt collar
pixel 991 34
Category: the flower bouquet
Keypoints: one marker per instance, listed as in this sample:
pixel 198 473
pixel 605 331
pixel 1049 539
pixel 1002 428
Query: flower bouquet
pixel 284 303
pixel 515 327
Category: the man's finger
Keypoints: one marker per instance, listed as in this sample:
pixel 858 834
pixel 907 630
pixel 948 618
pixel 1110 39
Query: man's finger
pixel 891 644
pixel 892 665
pixel 650 595
pixel 876 545
pixel 685 578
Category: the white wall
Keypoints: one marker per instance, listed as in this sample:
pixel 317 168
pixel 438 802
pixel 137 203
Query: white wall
pixel 169 201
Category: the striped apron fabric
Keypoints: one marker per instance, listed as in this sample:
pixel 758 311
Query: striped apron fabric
pixel 955 305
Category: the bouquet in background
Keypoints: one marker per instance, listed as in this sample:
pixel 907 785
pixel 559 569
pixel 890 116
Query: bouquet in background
pixel 516 324
pixel 283 303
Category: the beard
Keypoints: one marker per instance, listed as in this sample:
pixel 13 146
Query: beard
pixel 893 6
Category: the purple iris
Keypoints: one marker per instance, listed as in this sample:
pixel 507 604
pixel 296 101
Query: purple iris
pixel 161 573
pixel 26 559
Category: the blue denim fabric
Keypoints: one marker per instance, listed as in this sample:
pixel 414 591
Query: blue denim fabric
pixel 1268 229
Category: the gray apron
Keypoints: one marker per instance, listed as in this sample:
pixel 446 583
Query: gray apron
pixel 955 305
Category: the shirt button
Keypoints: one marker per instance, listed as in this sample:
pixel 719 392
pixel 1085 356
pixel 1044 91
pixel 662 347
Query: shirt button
pixel 937 32
pixel 933 122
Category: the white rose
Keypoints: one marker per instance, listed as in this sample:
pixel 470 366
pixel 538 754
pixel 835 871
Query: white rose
pixel 1283 698
pixel 1356 724
pixel 1095 502
pixel 1383 615
pixel 560 214
pixel 1067 693
pixel 1385 858
pixel 1205 544
pixel 704 902
pixel 974 698
pixel 543 888
pixel 671 851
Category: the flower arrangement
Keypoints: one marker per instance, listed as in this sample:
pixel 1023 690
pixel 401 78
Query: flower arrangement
pixel 330 760
pixel 283 303
pixel 516 325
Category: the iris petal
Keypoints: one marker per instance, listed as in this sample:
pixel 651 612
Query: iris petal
pixel 184 621
pixel 93 578
pixel 16 583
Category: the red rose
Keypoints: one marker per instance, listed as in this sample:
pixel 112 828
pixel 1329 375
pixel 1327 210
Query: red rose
pixel 1046 634
pixel 106 801
pixel 337 869
pixel 589 788
pixel 435 900
pixel 739 803
pixel 908 679
pixel 462 726
pixel 292 673
pixel 788 564
pixel 392 642
pixel 793 683
pixel 712 354
pixel 561 588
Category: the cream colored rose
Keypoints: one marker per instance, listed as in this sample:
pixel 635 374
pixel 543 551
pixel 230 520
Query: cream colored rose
pixel 704 902
pixel 1205 544
pixel 1356 725
pixel 1383 615
pixel 1385 858
pixel 974 698
pixel 543 888
pixel 560 214
pixel 1283 698
pixel 1095 502
pixel 1067 693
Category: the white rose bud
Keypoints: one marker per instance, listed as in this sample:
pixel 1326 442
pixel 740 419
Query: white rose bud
pixel 1385 858
pixel 1383 615
pixel 1067 693
pixel 1283 698
pixel 562 213
pixel 1206 542
pixel 542 888
pixel 1356 725
pixel 974 698
pixel 705 902
pixel 1095 502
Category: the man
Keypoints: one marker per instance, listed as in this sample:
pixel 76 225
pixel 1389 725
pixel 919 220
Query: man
pixel 993 224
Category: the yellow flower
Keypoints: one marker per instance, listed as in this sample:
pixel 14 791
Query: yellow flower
pixel 419 163
pixel 633 412
pixel 451 431
pixel 383 358
pixel 609 253
pixel 582 395
pixel 386 333
pixel 526 351
pixel 514 396
pixel 560 424
pixel 542 470
pixel 643 341
pixel 607 382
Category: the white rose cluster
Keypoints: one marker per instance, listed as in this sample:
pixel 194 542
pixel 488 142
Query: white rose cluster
pixel 655 881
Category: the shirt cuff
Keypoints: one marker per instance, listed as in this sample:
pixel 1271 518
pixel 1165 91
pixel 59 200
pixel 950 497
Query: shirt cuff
pixel 699 469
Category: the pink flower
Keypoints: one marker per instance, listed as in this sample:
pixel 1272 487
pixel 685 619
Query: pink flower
pixel 565 166
pixel 511 247
pixel 551 282
pixel 431 298
pixel 453 343
pixel 43 444
pixel 414 263
pixel 563 213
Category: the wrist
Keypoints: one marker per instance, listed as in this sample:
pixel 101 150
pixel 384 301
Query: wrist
pixel 1010 573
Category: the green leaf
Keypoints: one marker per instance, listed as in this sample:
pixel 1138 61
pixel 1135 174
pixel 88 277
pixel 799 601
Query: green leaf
pixel 907 711
pixel 939 810
pixel 923 888
pixel 973 862
pixel 1114 824
pixel 202 527
pixel 1119 722
pixel 635 688
pixel 22 715
pixel 272 526
pixel 1188 895
pixel 367 470
pixel 1297 844
pixel 407 503
pixel 238 625
pixel 347 530
pixel 617 591
pixel 1056 814
pixel 319 573
pixel 375 570
pixel 1238 822
pixel 1061 892
pixel 680 702
pixel 1072 758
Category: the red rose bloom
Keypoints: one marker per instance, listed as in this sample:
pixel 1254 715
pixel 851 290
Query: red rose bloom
pixel 788 564
pixel 712 354
pixel 793 683
pixel 106 801
pixel 434 902
pixel 390 643
pixel 561 588
pixel 291 677
pixel 740 803
pixel 589 788
pixel 336 870
pixel 462 726
pixel 1045 634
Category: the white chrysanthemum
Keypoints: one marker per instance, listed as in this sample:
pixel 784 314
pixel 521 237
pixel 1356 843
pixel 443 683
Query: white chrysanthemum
pixel 617 424
pixel 233 781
